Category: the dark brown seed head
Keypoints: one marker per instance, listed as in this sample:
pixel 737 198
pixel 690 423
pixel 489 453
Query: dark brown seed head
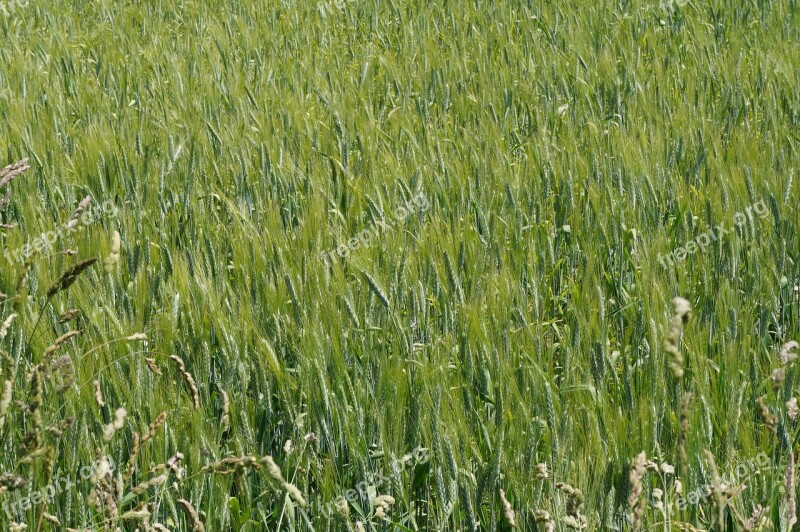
pixel 69 276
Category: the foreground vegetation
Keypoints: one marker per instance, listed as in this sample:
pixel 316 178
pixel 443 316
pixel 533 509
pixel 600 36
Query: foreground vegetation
pixel 220 345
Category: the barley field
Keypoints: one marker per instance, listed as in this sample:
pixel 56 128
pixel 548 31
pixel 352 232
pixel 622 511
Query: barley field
pixel 390 265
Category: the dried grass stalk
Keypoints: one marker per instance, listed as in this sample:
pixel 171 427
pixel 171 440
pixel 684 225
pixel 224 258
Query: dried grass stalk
pixel 98 395
pixel 225 420
pixel 717 489
pixel 681 315
pixel 790 511
pixel 792 409
pixel 9 173
pixel 767 416
pixel 189 380
pixel 151 365
pixel 103 495
pixel 152 483
pixel 64 370
pixel 683 431
pixel 57 345
pixel 132 457
pixel 508 510
pixel 5 401
pixel 11 482
pixel 73 219
pixel 543 517
pixel 68 316
pixel 275 472
pixel 787 353
pixel 113 257
pixel 70 276
pixel 191 514
pixel 154 426
pixel 6 325
pixel 635 499
pixel 756 518
pixel 233 464
pixel 117 424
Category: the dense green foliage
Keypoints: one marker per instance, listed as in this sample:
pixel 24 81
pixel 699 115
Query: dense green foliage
pixel 518 318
